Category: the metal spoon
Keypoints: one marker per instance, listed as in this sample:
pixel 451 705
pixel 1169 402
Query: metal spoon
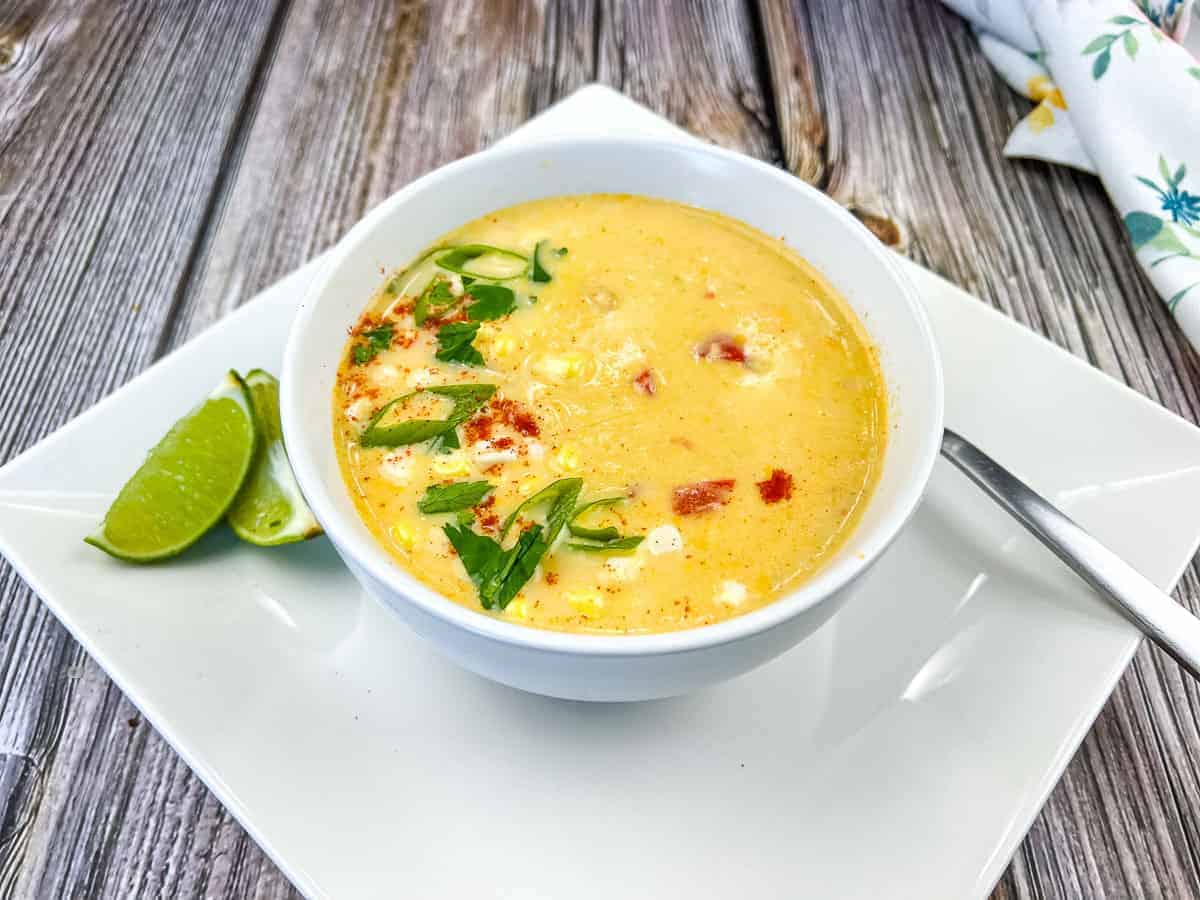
pixel 1159 617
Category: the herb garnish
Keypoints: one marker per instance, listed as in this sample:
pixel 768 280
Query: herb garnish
pixel 457 258
pixel 435 300
pixel 454 344
pixel 444 498
pixel 537 271
pixel 376 341
pixel 600 540
pixel 492 301
pixel 551 493
pixel 468 400
pixel 498 574
pixel 621 545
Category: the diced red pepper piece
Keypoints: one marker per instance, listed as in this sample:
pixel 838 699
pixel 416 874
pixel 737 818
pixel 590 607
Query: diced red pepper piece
pixel 701 496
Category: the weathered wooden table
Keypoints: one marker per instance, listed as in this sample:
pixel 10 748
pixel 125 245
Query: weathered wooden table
pixel 162 162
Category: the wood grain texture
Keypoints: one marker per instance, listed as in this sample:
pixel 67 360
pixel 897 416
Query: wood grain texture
pixel 160 164
pixel 115 128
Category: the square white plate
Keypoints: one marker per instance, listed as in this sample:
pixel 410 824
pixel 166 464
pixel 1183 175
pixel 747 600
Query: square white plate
pixel 903 751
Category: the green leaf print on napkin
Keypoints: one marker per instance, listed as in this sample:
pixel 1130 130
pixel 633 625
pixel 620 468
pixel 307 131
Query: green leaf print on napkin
pixel 1103 44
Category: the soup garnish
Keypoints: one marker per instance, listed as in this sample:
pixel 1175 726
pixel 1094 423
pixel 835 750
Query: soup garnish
pixel 672 423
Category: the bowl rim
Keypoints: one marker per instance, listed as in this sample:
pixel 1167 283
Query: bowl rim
pixel 828 580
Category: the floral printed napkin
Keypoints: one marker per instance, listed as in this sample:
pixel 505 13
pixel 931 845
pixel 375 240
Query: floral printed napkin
pixel 1117 85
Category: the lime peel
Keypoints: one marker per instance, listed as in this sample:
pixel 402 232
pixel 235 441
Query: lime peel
pixel 187 482
pixel 270 510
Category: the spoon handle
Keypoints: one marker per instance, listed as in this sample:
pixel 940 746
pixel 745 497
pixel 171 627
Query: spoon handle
pixel 1162 620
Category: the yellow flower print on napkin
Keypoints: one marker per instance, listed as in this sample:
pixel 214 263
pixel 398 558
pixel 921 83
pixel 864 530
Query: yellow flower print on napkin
pixel 1042 90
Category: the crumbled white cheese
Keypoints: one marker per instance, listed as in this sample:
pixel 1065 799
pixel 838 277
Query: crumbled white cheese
pixel 618 360
pixel 359 410
pixel 664 539
pixel 485 454
pixel 731 593
pixel 424 377
pixel 384 375
pixel 396 467
pixel 623 568
pixel 437 542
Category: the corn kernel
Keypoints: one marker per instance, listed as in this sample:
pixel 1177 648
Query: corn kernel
pixel 527 485
pixel 563 368
pixel 451 465
pixel 566 458
pixel 403 535
pixel 518 609
pixel 587 603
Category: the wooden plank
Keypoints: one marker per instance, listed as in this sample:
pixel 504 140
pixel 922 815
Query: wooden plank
pixel 115 126
pixel 360 100
pixel 914 122
pixel 696 63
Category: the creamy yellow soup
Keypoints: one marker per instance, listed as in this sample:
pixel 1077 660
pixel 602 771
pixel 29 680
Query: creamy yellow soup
pixel 695 374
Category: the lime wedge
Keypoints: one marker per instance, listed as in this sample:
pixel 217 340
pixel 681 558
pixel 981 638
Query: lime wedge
pixel 270 509
pixel 186 483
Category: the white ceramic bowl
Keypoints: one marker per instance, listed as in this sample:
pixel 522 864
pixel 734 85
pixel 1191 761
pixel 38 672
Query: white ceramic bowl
pixel 592 667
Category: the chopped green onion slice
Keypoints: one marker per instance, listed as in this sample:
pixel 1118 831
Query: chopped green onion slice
pixel 608 533
pixel 435 300
pixel 468 399
pixel 622 545
pixel 606 538
pixel 537 272
pixel 493 263
pixel 554 493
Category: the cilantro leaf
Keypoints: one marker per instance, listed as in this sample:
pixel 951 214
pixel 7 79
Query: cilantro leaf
pixel 454 344
pixel 444 498
pixel 435 300
pixel 376 340
pixel 499 574
pixel 526 554
pixel 492 301
pixel 479 554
